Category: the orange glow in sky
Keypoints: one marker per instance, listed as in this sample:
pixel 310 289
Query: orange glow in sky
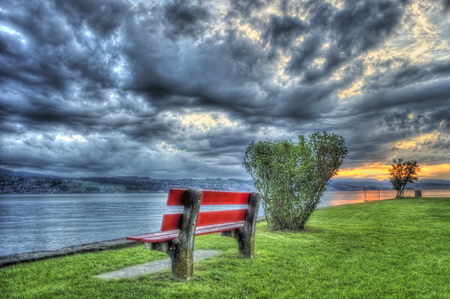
pixel 368 171
pixel 380 171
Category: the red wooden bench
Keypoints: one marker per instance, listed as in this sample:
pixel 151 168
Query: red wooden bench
pixel 178 231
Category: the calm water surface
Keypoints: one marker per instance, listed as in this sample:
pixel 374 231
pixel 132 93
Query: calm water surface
pixel 35 222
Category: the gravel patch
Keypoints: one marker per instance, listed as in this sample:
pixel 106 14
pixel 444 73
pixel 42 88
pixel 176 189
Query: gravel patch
pixel 154 266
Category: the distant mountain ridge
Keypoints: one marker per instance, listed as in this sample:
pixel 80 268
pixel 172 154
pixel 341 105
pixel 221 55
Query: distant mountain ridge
pixel 336 184
pixel 372 184
pixel 24 174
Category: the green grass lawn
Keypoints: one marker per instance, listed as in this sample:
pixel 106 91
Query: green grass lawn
pixel 384 249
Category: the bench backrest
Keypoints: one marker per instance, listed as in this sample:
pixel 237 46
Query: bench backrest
pixel 172 221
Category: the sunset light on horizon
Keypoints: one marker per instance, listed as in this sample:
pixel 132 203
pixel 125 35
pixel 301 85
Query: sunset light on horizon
pixel 380 172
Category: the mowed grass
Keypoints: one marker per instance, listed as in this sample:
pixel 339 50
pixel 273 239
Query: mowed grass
pixel 385 249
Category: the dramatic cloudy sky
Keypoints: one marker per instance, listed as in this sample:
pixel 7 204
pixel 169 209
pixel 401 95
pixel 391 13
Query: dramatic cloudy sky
pixel 173 89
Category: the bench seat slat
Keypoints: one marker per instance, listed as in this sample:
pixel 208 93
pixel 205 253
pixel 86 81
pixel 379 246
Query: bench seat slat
pixel 139 237
pixel 172 235
pixel 159 238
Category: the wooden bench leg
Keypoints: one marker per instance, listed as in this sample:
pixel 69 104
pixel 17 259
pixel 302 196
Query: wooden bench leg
pixel 245 236
pixel 181 250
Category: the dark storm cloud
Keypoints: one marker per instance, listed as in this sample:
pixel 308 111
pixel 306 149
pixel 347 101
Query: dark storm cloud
pixel 183 19
pixel 220 72
pixel 406 74
pixel 387 116
pixel 358 27
pixel 418 121
pixel 53 56
pixel 104 17
pixel 231 60
pixel 283 30
pixel 446 4
pixel 402 120
pixel 245 8
pixel 106 87
pixel 427 95
pixel 378 124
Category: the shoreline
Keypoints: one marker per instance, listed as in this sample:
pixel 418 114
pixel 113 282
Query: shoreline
pixel 32 256
pixel 26 257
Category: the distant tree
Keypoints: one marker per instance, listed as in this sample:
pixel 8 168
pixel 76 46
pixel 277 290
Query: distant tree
pixel 403 172
pixel 293 177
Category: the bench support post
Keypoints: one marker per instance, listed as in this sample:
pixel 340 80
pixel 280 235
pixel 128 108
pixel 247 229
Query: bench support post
pixel 181 250
pixel 182 254
pixel 245 236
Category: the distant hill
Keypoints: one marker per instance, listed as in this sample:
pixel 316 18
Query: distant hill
pixel 335 184
pixel 438 182
pixel 372 184
pixel 358 184
pixel 8 172
pixel 358 181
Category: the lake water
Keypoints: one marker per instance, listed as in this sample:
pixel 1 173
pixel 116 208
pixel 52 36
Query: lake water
pixel 35 222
